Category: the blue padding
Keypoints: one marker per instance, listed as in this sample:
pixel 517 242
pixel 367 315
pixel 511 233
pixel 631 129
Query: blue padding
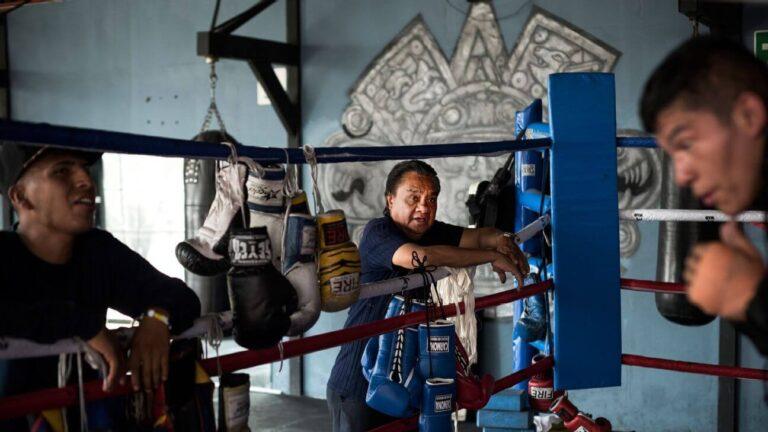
pixel 537 131
pixel 118 142
pixel 585 230
pixel 535 264
pixel 637 142
pixel 533 113
pixel 508 400
pixel 532 201
pixel 504 419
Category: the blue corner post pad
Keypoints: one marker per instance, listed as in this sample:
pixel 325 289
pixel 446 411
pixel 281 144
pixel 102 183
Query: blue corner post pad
pixel 533 113
pixel 585 230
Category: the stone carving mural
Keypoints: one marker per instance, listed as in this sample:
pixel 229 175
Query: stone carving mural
pixel 411 94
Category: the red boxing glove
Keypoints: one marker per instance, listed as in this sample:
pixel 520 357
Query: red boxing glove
pixel 471 392
pixel 576 421
pixel 541 388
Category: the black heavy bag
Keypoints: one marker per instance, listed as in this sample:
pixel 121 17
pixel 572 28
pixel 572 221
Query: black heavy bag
pixel 199 190
pixel 675 242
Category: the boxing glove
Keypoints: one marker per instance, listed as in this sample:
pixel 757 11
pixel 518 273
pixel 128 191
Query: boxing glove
pixel 437 352
pixel 205 254
pixel 471 392
pixel 338 262
pixel 301 271
pixel 368 359
pixel 437 405
pixel 541 390
pixel 395 384
pixel 576 421
pixel 262 299
pixel 266 204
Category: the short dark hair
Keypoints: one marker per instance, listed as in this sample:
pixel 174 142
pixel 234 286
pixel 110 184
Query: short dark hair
pixel 705 72
pixel 402 168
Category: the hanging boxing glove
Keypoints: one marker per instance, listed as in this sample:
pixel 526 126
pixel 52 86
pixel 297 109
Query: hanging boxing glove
pixel 201 254
pixel 266 204
pixel 471 392
pixel 338 262
pixel 395 384
pixel 437 405
pixel 541 388
pixel 262 299
pixel 299 265
pixel 437 349
pixel 199 194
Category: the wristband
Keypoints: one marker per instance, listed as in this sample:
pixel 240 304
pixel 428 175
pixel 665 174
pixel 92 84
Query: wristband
pixel 160 316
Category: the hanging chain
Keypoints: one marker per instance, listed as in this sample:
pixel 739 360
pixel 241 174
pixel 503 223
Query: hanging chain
pixel 213 109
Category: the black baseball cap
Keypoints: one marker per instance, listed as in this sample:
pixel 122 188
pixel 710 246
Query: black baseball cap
pixel 15 158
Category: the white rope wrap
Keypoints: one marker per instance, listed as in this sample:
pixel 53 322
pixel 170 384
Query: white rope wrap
pixel 456 288
pixel 395 285
pixel 678 215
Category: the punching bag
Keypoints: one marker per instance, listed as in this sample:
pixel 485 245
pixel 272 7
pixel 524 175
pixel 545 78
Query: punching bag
pixel 676 239
pixel 199 190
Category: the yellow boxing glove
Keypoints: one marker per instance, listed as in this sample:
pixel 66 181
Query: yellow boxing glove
pixel 338 262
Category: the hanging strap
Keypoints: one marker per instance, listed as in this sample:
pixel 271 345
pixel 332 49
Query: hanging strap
pixel 311 157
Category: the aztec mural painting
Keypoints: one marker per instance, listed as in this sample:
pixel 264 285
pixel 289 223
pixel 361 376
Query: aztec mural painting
pixel 411 94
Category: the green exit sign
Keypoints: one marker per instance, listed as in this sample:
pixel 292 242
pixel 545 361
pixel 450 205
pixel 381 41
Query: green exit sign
pixel 761 45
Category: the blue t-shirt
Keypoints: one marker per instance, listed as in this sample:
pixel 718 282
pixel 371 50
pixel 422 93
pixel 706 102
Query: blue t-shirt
pixel 380 240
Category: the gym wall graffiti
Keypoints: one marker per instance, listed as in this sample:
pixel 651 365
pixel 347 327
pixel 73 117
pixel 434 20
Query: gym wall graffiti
pixel 412 94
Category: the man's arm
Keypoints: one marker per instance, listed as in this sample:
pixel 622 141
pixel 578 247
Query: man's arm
pixel 489 238
pixel 481 238
pixel 452 256
pixel 136 287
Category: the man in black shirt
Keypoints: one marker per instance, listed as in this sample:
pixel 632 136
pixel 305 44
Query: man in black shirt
pixel 707 104
pixel 387 247
pixel 59 274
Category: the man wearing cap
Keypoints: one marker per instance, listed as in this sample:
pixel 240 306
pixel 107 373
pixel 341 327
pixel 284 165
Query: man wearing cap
pixel 59 274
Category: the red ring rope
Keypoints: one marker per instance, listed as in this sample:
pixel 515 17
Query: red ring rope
pixel 410 423
pixel 652 286
pixel 14 406
pixel 697 368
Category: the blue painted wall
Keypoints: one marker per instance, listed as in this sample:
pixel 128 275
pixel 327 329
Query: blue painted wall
pixel 131 66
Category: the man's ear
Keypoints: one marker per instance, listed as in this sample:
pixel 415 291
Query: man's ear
pixel 749 114
pixel 390 199
pixel 17 197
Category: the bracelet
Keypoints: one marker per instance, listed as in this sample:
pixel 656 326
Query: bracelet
pixel 156 314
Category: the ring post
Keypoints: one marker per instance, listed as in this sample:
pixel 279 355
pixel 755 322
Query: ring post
pixel 585 230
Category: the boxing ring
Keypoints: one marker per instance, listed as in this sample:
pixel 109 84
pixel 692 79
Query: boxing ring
pixel 582 211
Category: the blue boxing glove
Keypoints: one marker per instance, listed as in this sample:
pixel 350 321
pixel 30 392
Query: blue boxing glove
pixel 395 376
pixel 437 404
pixel 437 349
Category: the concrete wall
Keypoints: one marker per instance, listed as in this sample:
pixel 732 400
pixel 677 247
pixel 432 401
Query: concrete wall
pixel 131 66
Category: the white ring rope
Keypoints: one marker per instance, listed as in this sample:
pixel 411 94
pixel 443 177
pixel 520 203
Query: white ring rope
pixel 678 215
pixel 14 348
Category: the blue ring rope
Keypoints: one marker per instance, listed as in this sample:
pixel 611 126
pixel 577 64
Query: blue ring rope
pixel 119 142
